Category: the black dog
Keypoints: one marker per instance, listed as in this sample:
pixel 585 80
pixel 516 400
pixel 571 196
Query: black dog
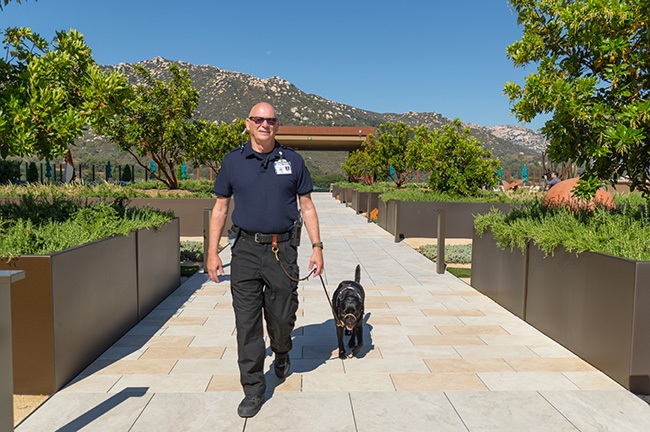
pixel 348 302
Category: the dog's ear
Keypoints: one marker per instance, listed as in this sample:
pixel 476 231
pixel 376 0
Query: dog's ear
pixel 357 274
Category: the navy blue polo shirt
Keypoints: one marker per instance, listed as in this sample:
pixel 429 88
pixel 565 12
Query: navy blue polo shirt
pixel 264 186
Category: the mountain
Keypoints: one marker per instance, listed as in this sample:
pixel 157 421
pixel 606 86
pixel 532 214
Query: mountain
pixel 226 95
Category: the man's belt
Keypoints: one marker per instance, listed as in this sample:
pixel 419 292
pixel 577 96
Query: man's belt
pixel 265 238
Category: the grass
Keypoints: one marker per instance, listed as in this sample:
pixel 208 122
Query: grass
pixel 189 270
pixel 460 272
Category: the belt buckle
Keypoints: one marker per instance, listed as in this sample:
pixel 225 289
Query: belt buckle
pixel 257 238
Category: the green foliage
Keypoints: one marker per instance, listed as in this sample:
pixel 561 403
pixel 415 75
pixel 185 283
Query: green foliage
pixel 624 233
pixel 592 62
pixel 191 250
pixel 50 93
pixel 35 227
pixel 32 175
pixel 460 272
pixel 9 171
pixel 188 189
pixel 388 149
pixel 629 199
pixel 458 254
pixel 428 195
pixel 157 124
pixel 189 270
pixel 359 166
pixel 215 141
pixel 6 2
pixel 323 182
pixel 458 163
pixel 126 174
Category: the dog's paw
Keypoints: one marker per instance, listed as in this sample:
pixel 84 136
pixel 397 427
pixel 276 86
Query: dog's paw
pixel 342 355
pixel 356 350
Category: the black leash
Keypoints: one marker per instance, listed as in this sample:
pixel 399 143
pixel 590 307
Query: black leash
pixel 329 300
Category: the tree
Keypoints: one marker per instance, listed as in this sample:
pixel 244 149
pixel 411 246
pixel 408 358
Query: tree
pixel 593 75
pixel 388 149
pixel 215 141
pixel 49 94
pixel 458 163
pixel 6 2
pixel 127 176
pixel 9 171
pixel 359 167
pixel 32 175
pixel 156 125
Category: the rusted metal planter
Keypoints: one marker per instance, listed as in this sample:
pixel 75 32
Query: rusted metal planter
pixel 362 201
pixel 74 304
pixel 595 305
pixel 188 210
pixel 373 203
pixel 345 194
pixel 500 274
pixel 406 219
pixel 159 273
pixel 336 190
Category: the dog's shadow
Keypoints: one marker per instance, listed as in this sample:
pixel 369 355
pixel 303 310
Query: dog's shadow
pixel 316 344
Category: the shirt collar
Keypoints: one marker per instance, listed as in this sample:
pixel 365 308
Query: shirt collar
pixel 248 152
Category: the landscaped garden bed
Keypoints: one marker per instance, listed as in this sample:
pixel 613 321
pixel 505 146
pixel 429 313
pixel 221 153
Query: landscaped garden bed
pixel 91 272
pixel 187 204
pixel 582 278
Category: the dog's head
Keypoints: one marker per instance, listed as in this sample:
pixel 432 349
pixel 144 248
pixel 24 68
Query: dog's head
pixel 348 301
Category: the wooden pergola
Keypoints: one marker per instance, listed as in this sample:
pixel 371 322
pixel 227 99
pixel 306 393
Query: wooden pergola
pixel 335 138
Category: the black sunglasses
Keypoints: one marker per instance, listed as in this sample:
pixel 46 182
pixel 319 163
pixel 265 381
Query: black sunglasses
pixel 260 120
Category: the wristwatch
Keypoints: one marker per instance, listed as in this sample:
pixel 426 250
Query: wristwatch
pixel 319 244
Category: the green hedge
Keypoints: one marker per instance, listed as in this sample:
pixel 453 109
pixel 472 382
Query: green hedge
pixel 37 226
pixel 624 233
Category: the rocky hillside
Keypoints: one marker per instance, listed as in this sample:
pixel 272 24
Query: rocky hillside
pixel 227 95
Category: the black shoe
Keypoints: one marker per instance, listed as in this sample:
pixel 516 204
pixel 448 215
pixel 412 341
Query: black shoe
pixel 250 405
pixel 281 365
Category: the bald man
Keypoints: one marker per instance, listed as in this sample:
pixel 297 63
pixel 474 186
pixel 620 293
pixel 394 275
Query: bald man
pixel 267 180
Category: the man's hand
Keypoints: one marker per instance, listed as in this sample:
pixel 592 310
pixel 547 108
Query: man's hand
pixel 215 267
pixel 317 261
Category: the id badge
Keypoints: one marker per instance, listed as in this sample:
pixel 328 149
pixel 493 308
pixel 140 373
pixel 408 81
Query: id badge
pixel 282 167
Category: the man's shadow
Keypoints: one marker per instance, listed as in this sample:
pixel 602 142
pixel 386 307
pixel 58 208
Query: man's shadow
pixel 318 345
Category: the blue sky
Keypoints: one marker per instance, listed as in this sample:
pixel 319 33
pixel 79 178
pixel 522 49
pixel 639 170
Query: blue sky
pixel 438 56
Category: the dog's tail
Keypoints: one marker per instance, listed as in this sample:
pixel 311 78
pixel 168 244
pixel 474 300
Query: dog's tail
pixel 357 274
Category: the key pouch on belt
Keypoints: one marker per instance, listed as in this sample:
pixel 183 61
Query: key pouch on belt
pixel 233 235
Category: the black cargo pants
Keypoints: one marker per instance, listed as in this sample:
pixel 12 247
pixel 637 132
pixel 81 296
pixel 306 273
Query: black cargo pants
pixel 258 284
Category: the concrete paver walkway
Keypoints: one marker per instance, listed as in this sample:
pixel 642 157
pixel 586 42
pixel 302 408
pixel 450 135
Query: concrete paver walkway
pixel 438 356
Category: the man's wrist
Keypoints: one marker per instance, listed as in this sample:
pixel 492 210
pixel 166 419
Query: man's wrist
pixel 317 244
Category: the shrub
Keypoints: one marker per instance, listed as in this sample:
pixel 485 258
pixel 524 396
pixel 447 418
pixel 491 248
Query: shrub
pixel 458 254
pixel 9 171
pixel 35 227
pixel 623 233
pixel 457 161
pixel 191 251
pixel 127 176
pixel 32 175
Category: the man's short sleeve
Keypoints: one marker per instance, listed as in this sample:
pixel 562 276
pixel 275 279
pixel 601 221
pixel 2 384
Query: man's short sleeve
pixel 304 184
pixel 222 184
